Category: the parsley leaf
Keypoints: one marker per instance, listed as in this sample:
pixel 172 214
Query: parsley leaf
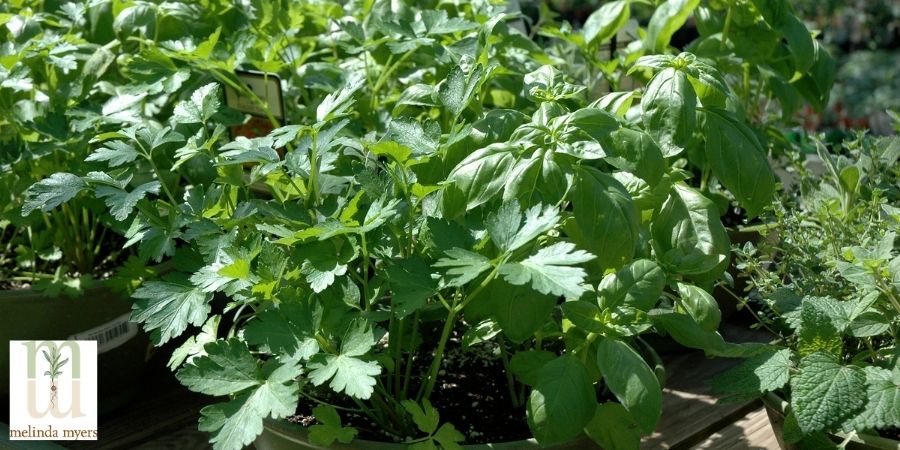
pixel 549 270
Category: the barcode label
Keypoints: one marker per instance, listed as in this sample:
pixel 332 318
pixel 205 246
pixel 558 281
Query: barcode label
pixel 109 335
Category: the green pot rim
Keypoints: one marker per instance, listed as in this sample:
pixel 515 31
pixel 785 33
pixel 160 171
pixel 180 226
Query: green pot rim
pixel 299 435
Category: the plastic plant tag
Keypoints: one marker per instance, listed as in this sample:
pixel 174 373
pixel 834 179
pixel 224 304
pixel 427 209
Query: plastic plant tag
pixel 267 89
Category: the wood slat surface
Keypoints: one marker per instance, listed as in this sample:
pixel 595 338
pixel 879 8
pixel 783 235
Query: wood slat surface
pixel 751 432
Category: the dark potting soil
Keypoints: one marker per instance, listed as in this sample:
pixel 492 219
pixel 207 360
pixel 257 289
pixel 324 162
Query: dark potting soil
pixel 471 393
pixel 111 252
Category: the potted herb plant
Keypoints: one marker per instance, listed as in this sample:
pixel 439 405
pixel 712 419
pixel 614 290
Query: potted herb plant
pixel 451 219
pixel 63 271
pixel 828 290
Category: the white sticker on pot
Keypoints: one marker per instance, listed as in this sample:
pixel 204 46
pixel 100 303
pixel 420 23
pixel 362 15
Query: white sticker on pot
pixel 109 335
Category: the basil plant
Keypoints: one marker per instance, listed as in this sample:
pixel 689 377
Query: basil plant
pixel 334 262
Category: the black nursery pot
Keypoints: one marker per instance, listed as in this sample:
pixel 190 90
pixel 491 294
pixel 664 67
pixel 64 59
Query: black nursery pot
pixel 98 314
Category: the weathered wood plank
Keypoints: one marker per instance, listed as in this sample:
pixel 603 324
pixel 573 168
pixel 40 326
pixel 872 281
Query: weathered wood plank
pixel 752 431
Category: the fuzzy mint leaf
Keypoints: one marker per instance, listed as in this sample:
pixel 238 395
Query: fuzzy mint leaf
pixel 329 429
pixel 236 423
pixel 549 270
pixel 203 104
pixel 167 308
pixel 883 406
pixel 825 393
pixel 51 192
pixel 821 322
pixel 757 375
pixel 463 266
pixel 348 373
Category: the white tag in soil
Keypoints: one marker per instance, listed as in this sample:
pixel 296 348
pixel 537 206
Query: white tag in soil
pixel 109 335
pixel 267 87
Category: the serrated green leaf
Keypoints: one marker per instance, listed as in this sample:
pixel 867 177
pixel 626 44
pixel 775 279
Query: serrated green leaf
pixel 122 202
pixel 757 375
pixel 227 367
pixel 52 192
pixel 288 329
pixel 507 231
pixel 411 285
pixel 329 428
pixel 462 266
pixel 822 321
pixel 236 423
pixel 166 309
pixel 882 408
pixel 549 270
pixel 115 153
pixel 824 393
pixel 425 417
pixel 202 105
pixel 348 373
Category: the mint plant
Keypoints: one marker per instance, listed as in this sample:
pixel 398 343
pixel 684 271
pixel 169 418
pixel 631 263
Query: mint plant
pixel 453 190
pixel 829 290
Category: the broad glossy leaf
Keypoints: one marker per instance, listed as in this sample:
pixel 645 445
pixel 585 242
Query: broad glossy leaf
pixel 479 177
pixel 738 160
pixel 669 110
pixel 606 222
pixel 606 21
pixel 562 401
pixel 667 19
pixel 631 380
pixel 638 285
pixel 688 236
pixel 526 365
pixel 613 427
pixel 700 305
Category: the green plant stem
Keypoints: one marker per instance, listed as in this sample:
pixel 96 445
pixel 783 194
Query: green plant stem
pixel 726 28
pixel 510 383
pixel 386 75
pixel 428 386
pixel 409 358
pixel 456 307
pixel 753 313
